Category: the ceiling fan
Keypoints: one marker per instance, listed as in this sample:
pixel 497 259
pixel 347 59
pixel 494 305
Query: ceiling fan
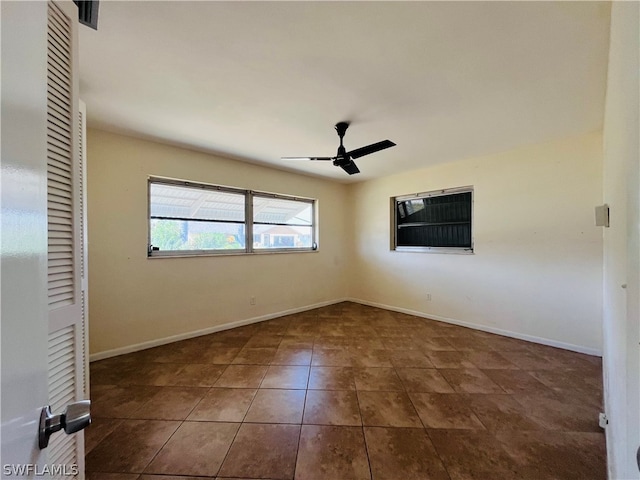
pixel 344 159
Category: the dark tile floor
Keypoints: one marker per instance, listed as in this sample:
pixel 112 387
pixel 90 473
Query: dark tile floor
pixel 347 392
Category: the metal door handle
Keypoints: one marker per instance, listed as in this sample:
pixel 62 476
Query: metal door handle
pixel 75 417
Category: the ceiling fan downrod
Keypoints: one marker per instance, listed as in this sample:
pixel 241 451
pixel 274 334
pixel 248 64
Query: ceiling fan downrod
pixel 341 158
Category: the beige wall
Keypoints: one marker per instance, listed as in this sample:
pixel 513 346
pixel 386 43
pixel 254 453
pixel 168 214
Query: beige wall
pixel 135 300
pixel 536 272
pixel 537 267
pixel 621 319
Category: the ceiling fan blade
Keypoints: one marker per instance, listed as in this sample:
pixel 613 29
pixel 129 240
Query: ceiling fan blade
pixel 374 147
pixel 307 158
pixel 351 168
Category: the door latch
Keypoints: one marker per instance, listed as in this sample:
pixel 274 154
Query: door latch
pixel 75 417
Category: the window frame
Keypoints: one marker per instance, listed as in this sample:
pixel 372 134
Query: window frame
pixel 427 249
pixel 249 195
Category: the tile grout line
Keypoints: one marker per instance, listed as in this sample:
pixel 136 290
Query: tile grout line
pixel 364 437
pixel 160 449
pixel 304 406
pixel 444 465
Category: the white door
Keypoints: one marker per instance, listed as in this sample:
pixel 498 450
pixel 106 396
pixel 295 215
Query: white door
pixel 42 331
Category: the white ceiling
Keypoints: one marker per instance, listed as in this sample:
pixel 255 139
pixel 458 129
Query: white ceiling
pixel 261 80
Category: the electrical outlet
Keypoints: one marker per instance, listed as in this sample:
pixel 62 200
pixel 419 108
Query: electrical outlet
pixel 428 297
pixel 252 300
pixel 603 421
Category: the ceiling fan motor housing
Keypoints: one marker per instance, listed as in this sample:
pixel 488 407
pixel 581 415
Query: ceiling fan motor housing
pixel 341 158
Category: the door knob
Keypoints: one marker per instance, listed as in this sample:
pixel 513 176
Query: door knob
pixel 75 417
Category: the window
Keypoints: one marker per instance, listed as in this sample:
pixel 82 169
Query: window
pixel 434 221
pixel 187 218
pixel 281 223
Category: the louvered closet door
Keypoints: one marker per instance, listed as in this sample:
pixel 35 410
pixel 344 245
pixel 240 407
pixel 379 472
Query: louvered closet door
pixel 66 265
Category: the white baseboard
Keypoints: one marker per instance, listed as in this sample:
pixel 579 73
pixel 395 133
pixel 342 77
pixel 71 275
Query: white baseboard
pixel 205 331
pixel 507 333
pixel 248 321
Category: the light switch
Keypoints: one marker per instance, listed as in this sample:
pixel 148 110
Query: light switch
pixel 602 215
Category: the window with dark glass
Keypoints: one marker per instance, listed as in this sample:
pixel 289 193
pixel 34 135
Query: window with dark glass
pixel 433 221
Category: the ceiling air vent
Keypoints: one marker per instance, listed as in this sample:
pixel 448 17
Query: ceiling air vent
pixel 88 12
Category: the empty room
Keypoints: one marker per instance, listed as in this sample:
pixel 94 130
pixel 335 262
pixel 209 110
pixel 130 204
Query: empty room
pixel 321 240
